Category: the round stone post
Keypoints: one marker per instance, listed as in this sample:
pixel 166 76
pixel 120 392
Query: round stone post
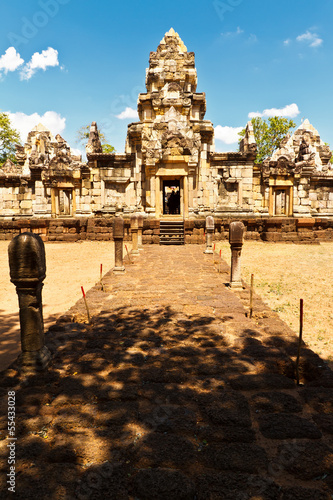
pixel 27 271
pixel 236 234
pixel 140 229
pixel 209 234
pixel 118 238
pixel 134 231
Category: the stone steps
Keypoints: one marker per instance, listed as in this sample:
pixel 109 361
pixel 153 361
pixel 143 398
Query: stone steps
pixel 171 232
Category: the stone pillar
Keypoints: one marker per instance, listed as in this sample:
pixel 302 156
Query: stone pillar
pixel 27 271
pixel 140 229
pixel 236 235
pixel 157 197
pixel 185 200
pixel 209 234
pixel 118 238
pixel 134 231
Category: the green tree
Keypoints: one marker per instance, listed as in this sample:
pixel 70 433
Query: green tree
pixel 82 137
pixel 8 138
pixel 268 134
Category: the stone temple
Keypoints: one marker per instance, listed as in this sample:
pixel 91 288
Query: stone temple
pixel 170 151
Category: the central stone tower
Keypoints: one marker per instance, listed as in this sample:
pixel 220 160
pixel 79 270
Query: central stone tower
pixel 172 140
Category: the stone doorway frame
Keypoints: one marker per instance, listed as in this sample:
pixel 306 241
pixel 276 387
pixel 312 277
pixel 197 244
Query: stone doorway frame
pixel 68 193
pixel 172 168
pixel 277 188
pixel 168 182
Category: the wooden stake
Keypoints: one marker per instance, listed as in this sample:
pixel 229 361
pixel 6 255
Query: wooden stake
pixel 86 303
pixel 100 278
pixel 128 255
pixel 300 339
pixel 251 296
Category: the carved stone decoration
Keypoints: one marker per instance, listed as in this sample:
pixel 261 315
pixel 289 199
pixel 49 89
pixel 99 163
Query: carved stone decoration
pixel 94 144
pixel 248 144
pixel 27 271
pixel 10 169
pixel 303 153
pixel 171 111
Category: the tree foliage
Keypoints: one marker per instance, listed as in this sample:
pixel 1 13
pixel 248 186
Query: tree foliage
pixel 82 137
pixel 8 138
pixel 268 134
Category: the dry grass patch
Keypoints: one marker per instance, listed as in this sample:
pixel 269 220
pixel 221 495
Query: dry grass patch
pixel 285 273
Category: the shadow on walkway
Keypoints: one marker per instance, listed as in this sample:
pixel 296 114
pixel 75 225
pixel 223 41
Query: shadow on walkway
pixel 152 402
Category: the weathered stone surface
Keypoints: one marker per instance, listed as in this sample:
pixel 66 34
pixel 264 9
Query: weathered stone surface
pixel 270 402
pixel 287 426
pixel 236 457
pixel 307 460
pixel 163 483
pixel 259 382
pixel 235 486
pixel 298 493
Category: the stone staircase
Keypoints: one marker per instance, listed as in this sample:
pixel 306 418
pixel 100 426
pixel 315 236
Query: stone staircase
pixel 171 232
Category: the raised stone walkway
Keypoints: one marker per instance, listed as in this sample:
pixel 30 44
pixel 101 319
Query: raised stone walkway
pixel 172 393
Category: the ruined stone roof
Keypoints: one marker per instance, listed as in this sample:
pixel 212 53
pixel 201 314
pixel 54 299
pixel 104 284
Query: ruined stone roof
pixel 181 47
pixel 290 146
pixel 171 63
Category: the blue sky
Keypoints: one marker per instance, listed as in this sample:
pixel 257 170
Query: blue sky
pixel 67 63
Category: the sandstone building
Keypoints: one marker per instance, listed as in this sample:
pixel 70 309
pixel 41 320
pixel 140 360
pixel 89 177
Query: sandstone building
pixel 170 149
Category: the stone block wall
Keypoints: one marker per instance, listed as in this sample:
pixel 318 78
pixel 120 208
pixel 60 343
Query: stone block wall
pixel 271 229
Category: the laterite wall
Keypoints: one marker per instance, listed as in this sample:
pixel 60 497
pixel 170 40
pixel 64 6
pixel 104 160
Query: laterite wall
pixel 297 230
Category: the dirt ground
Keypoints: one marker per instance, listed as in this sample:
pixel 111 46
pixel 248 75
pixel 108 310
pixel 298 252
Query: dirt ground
pixel 286 273
pixel 68 266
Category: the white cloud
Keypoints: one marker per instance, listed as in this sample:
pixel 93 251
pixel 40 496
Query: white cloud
pixel 229 34
pixel 228 135
pixel 76 152
pixel 10 60
pixel 289 111
pixel 312 39
pixel 128 113
pixel 287 42
pixel 252 38
pixel 40 60
pixel 25 123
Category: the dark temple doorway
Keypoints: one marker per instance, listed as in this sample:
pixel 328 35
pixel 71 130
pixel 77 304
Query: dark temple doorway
pixel 171 197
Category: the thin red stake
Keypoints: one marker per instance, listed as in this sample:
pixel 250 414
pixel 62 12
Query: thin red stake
pixel 100 278
pixel 128 255
pixel 86 303
pixel 214 247
pixel 220 253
